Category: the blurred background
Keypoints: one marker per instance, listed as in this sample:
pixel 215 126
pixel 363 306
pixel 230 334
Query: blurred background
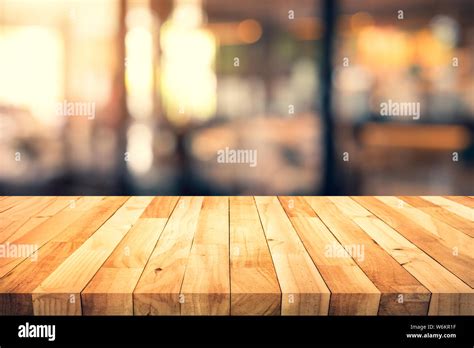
pixel 172 82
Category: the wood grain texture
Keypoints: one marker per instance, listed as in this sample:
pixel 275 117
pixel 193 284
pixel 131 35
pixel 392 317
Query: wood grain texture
pixel 61 213
pixel 10 201
pixel 451 248
pixel 352 292
pixel 438 212
pixel 159 288
pixel 304 291
pixel 160 207
pixel 449 295
pixel 21 212
pixel 206 283
pixel 254 285
pixel 17 286
pixel 110 292
pixel 236 255
pixel 33 216
pixel 401 293
pixel 464 200
pixel 452 206
pixel 59 293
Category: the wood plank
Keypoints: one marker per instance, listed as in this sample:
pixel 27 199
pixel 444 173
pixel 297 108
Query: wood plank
pixel 13 218
pixel 29 242
pixel 303 289
pixel 160 207
pixel 10 201
pixel 441 214
pixel 439 248
pixel 450 296
pixel 254 285
pixel 110 292
pixel 17 286
pixel 392 280
pixel 28 218
pixel 58 205
pixel 206 283
pixel 459 243
pixel 87 224
pixel 456 208
pixel 59 293
pixel 159 287
pixel 352 292
pixel 238 256
pixel 446 234
pixel 464 200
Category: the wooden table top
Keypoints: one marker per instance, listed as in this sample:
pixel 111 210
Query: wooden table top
pixel 237 255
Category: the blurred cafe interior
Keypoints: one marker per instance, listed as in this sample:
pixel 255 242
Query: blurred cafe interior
pixel 121 97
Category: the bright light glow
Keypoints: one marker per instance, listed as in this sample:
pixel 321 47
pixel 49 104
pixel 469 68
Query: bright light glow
pixel 384 47
pixel 140 143
pixel 188 14
pixel 430 51
pixel 139 72
pixel 139 17
pixel 188 80
pixel 31 70
pixel 388 48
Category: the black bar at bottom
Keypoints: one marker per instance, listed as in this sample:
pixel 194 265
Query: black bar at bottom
pixel 194 331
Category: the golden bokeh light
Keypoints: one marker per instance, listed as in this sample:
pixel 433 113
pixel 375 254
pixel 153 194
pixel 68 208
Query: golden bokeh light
pixel 249 31
pixel 361 20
